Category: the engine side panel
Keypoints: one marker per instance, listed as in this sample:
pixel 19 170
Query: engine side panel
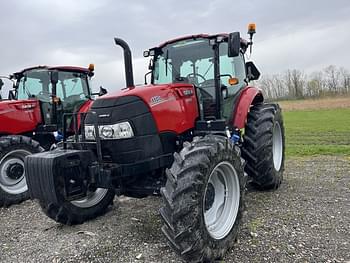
pixel 18 117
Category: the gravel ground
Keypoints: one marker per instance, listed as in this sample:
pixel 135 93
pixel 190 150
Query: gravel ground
pixel 306 220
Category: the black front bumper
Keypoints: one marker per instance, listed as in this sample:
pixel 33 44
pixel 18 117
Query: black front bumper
pixel 71 173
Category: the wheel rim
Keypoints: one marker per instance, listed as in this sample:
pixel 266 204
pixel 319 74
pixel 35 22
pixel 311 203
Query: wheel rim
pixel 277 146
pixel 12 173
pixel 92 198
pixel 221 200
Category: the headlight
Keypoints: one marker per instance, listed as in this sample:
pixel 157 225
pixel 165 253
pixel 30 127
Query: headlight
pixel 116 131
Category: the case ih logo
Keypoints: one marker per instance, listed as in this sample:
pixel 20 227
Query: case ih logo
pixel 156 100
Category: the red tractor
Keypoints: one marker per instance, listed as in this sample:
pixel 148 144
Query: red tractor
pixel 31 119
pixel 194 135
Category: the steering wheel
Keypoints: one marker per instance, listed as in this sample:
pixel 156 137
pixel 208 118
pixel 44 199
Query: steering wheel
pixel 194 75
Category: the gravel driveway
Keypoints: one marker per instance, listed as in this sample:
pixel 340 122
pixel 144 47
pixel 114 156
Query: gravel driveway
pixel 306 220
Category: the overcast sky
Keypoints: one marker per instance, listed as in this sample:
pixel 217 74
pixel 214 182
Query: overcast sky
pixel 302 34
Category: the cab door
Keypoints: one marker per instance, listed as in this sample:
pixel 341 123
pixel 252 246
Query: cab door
pixel 234 67
pixel 35 85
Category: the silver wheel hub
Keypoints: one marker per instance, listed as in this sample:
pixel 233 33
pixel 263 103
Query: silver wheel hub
pixel 221 200
pixel 277 146
pixel 12 174
pixel 92 198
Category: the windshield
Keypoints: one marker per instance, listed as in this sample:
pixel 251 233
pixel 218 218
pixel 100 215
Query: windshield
pixel 189 61
pixel 192 61
pixel 37 84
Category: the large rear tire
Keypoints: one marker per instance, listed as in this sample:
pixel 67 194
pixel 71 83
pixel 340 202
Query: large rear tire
pixel 203 199
pixel 13 185
pixel 263 146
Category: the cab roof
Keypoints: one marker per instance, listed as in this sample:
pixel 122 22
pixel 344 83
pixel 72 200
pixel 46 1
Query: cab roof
pixel 62 68
pixel 225 35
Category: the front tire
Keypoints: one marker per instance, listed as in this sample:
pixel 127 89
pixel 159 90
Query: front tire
pixel 96 203
pixel 264 146
pixel 13 185
pixel 203 199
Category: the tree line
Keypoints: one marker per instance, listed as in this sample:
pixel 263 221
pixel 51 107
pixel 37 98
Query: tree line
pixel 296 84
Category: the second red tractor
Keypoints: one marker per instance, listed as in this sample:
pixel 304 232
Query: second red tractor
pixel 31 119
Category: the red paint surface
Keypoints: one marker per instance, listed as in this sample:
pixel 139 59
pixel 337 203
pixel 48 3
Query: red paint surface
pixel 175 111
pixel 19 116
pixel 242 107
pixel 83 109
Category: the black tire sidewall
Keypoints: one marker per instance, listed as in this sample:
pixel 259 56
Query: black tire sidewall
pixel 258 149
pixel 66 212
pixel 12 143
pixel 278 174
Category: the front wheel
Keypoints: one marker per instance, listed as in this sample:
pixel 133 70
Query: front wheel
pixel 13 150
pixel 78 211
pixel 203 199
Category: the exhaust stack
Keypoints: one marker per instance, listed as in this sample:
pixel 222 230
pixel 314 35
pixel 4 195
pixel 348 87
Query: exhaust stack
pixel 129 76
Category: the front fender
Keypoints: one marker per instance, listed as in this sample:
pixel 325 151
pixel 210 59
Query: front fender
pixel 249 96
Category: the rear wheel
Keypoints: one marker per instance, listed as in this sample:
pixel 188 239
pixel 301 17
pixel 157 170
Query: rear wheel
pixel 203 199
pixel 263 146
pixel 13 185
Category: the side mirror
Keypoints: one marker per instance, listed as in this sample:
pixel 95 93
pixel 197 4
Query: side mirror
pixel 252 72
pixel 234 44
pixel 102 91
pixel 1 84
pixel 54 77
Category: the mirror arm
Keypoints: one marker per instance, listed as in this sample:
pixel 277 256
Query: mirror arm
pixel 149 72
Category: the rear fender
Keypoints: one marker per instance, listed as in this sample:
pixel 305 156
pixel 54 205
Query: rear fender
pixel 249 96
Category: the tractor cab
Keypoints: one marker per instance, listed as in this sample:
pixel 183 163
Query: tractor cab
pixel 59 90
pixel 213 64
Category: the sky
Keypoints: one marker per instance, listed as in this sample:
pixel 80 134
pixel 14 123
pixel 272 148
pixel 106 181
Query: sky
pixel 301 34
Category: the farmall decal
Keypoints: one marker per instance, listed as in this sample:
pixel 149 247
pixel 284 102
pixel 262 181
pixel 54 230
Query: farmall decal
pixel 156 100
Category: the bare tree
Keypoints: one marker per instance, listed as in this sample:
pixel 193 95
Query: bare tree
pixel 332 78
pixel 294 81
pixel 344 79
pixel 295 84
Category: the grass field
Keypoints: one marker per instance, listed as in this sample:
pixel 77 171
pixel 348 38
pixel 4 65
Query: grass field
pixel 312 131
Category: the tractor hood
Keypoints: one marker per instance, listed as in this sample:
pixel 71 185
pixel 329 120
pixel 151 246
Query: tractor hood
pixel 174 107
pixel 150 94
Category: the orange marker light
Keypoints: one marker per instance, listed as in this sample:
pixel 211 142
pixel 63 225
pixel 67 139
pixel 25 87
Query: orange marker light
pixel 91 67
pixel 233 81
pixel 251 28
